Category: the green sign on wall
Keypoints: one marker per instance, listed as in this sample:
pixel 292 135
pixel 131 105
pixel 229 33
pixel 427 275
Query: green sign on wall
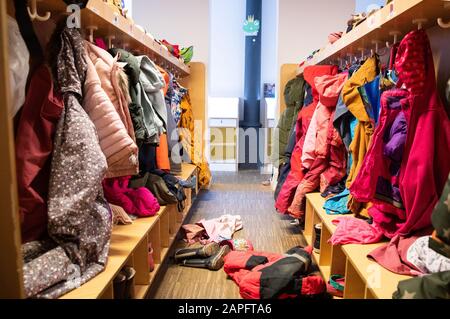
pixel 251 26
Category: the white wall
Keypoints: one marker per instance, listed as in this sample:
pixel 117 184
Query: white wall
pixel 178 21
pixel 304 26
pixel 269 27
pixel 227 48
pixel 363 5
pixel 129 7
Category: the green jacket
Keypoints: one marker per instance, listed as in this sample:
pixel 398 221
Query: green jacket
pixel 294 94
pixel 434 286
pixel 441 223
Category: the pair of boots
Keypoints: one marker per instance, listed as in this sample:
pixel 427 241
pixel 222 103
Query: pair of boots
pixel 209 256
pixel 123 284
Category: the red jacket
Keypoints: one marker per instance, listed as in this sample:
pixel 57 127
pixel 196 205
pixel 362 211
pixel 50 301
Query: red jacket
pixel 325 156
pixel 296 174
pixel 261 275
pixel 34 146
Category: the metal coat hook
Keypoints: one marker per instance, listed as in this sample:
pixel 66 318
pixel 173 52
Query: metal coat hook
pixel 91 30
pixel 395 34
pixel 110 38
pixel 362 50
pixel 350 58
pixel 440 21
pixel 419 23
pixel 377 46
pixel 34 15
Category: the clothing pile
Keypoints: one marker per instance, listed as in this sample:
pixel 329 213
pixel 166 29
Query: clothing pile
pixel 213 230
pixel 90 126
pixel 262 275
pixel 375 141
pixel 209 241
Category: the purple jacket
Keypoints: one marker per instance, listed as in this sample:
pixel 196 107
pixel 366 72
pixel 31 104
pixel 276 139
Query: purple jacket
pixel 385 158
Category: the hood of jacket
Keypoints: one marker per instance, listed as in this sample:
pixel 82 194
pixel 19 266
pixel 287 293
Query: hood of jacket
pixel 311 72
pixel 153 80
pixel 329 88
pixel 414 63
pixel 351 94
pixel 133 67
pixel 94 53
pixel 294 92
pixel 153 84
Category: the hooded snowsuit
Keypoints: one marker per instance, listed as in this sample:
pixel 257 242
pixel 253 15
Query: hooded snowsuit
pixel 296 174
pixel 325 152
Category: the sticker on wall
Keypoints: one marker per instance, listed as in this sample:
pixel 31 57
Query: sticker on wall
pixel 251 26
pixel 269 90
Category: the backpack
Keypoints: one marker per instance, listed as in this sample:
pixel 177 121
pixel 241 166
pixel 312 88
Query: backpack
pixel 157 187
pixel 174 187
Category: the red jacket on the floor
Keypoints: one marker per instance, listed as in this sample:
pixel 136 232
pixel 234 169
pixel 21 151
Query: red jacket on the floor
pixel 296 174
pixel 262 275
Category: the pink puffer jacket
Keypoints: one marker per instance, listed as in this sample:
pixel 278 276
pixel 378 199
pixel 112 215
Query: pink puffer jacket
pixel 111 74
pixel 329 87
pixel 325 151
pixel 116 144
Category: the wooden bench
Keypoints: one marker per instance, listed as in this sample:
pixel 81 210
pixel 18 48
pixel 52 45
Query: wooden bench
pixel 364 278
pixel 129 246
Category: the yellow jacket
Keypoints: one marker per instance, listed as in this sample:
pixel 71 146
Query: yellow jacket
pixel 195 151
pixel 364 128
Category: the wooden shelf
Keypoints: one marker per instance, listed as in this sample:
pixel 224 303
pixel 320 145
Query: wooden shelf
pixel 364 277
pixel 128 244
pixel 324 270
pixel 397 16
pixel 124 240
pixel 379 281
pixel 109 22
pixel 128 247
pixel 140 291
pixel 164 253
pixel 317 201
pixel 154 273
pixel 308 239
pixel 188 170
